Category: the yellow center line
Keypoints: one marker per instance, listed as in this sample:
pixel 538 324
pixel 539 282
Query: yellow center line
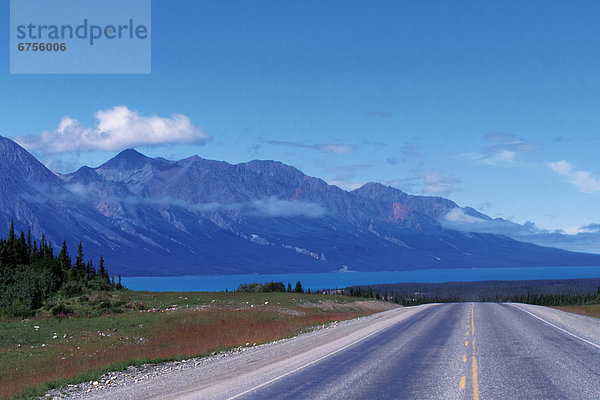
pixel 466 343
pixel 465 358
pixel 475 378
pixel 462 382
pixel 473 320
pixel 475 381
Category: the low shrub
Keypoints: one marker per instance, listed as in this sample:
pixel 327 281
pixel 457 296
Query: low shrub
pixel 16 310
pixel 61 309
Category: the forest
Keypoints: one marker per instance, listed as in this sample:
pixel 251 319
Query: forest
pixel 31 273
pixel 563 292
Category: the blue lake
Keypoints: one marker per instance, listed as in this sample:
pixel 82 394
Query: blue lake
pixel 217 283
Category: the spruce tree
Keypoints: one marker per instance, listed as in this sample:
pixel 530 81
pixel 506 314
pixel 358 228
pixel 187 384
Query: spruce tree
pixel 101 270
pixel 298 288
pixel 11 232
pixel 79 263
pixel 89 269
pixel 29 247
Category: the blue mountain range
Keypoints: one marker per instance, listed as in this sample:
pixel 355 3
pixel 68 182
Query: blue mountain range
pixel 152 217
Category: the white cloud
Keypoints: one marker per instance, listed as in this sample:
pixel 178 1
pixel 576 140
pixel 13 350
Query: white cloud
pixel 273 207
pixel 334 148
pixel 583 180
pixel 435 183
pixel 265 207
pixel 560 167
pixel 116 129
pixel 576 230
pixel 459 220
pixel 583 239
pixel 346 185
pixel 457 215
pixel 502 149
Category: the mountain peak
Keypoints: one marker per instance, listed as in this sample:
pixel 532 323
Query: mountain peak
pixel 379 190
pixel 17 161
pixel 151 216
pixel 273 168
pixel 126 160
pixel 8 146
pixel 130 155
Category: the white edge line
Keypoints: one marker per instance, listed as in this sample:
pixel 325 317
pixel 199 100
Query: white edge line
pixel 557 327
pixel 306 365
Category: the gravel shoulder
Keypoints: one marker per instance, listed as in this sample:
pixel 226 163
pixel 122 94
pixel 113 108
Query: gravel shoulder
pixel 583 327
pixel 225 371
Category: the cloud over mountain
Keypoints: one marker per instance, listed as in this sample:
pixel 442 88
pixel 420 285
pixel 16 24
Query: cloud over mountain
pixel 435 183
pixel 583 239
pixel 152 216
pixel 116 129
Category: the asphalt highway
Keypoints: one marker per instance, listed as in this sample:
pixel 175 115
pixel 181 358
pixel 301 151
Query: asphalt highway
pixel 443 351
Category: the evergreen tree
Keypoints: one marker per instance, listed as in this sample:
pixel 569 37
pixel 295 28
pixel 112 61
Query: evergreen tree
pixel 23 251
pixel 101 270
pixel 31 273
pixel 369 292
pixel 63 257
pixel 29 248
pixel 11 232
pixel 79 263
pixel 91 272
pixel 298 288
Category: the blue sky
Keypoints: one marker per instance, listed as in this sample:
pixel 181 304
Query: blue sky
pixel 493 104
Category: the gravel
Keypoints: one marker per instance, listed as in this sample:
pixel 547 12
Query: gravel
pixel 111 384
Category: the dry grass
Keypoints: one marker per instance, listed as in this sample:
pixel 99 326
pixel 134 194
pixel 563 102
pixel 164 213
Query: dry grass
pixel 592 310
pixel 32 358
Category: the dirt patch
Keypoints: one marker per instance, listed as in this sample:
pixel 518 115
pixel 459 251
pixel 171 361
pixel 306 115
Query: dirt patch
pixel 363 305
pixel 592 310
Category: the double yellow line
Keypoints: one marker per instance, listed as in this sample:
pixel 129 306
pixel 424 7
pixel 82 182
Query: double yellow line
pixel 463 379
pixel 475 379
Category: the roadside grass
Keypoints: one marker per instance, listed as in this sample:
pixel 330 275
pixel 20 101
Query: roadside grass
pixel 590 310
pixel 46 352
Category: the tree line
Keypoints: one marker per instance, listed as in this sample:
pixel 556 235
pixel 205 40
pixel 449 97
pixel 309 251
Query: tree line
pixel 413 299
pixel 270 287
pixel 30 272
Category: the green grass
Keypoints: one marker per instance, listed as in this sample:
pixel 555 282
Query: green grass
pixel 83 346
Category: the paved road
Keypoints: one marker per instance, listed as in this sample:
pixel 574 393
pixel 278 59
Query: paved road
pixel 446 351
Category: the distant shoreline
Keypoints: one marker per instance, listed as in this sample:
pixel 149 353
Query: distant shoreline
pixel 489 289
pixel 331 280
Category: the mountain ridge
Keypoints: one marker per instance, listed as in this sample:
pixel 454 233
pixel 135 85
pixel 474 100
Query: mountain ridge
pixel 152 216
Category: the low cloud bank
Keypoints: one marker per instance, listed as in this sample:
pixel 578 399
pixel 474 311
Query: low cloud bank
pixel 583 239
pixel 266 207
